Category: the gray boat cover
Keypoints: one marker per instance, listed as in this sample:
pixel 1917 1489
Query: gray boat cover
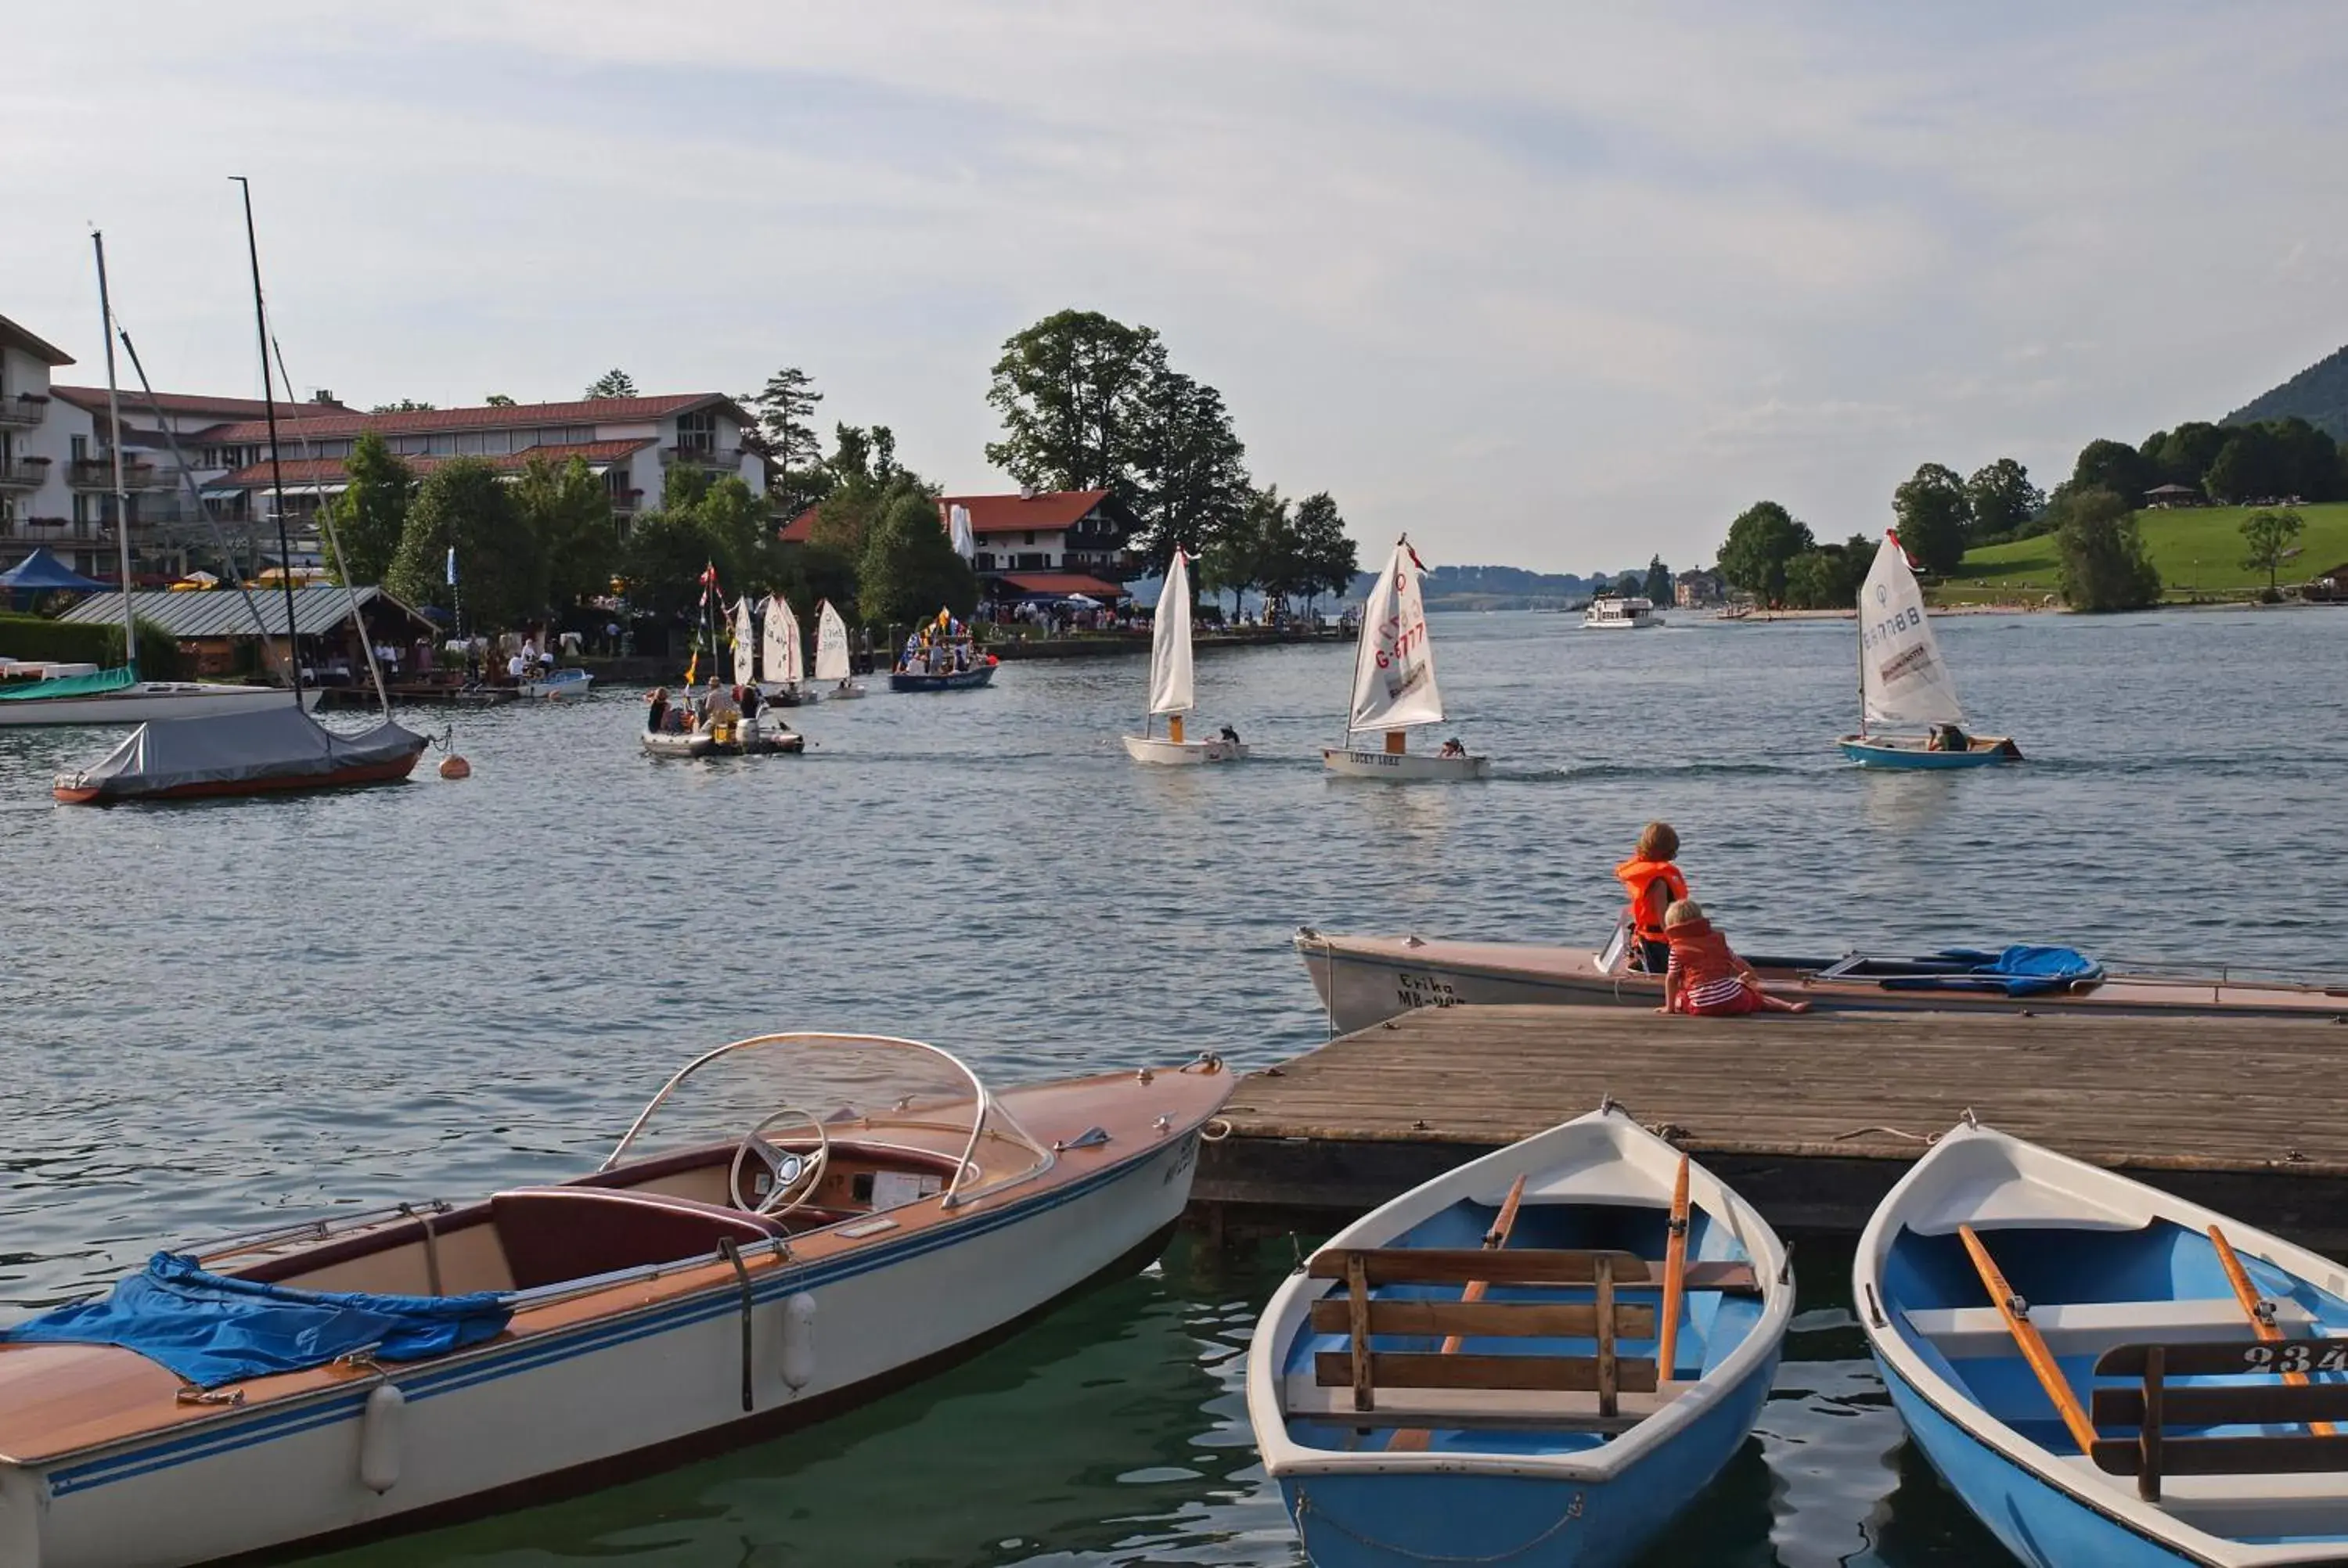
pixel 269 745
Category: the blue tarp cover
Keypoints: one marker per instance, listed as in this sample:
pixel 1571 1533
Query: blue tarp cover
pixel 2020 970
pixel 42 572
pixel 211 1329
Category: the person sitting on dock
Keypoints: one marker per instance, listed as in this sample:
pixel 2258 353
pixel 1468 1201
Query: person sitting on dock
pixel 1654 884
pixel 1706 976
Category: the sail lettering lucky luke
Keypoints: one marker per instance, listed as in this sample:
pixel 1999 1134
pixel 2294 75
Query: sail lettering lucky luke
pixel 1393 669
pixel 1902 678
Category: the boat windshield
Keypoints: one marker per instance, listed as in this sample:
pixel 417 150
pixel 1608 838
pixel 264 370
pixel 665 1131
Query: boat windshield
pixel 877 1089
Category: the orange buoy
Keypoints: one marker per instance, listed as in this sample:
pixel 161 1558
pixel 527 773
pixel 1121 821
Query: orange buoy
pixel 456 767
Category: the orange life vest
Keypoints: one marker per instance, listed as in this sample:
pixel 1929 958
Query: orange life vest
pixel 1639 876
pixel 1702 954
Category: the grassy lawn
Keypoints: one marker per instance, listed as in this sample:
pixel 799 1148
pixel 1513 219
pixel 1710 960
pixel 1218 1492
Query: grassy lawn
pixel 2197 551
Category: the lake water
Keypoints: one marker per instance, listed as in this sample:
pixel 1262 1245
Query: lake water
pixel 438 989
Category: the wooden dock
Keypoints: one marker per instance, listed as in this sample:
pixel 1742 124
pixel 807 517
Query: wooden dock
pixel 1812 1118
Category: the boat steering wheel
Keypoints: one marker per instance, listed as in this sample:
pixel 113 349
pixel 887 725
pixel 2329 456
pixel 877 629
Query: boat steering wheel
pixel 792 1176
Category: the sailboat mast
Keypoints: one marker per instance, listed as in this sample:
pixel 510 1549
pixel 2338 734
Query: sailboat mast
pixel 276 466
pixel 114 439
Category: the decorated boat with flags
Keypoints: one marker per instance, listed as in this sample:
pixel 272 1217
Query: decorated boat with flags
pixel 834 670
pixel 1393 686
pixel 1170 685
pixel 942 655
pixel 824 1218
pixel 1905 683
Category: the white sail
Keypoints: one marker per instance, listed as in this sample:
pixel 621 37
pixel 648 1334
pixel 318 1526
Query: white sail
pixel 1169 642
pixel 746 643
pixel 965 542
pixel 1903 679
pixel 786 657
pixel 831 644
pixel 1394 665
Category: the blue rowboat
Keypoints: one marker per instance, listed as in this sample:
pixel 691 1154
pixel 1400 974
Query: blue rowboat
pixel 957 681
pixel 1914 752
pixel 2095 1367
pixel 1477 1372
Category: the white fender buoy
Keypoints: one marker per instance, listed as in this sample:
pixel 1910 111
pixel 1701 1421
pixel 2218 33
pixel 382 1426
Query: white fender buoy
pixel 379 1434
pixel 798 1340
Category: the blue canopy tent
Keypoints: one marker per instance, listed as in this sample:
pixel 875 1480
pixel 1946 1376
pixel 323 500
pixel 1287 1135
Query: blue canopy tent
pixel 42 572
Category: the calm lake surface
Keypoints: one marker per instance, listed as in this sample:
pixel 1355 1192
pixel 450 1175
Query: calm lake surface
pixel 216 1012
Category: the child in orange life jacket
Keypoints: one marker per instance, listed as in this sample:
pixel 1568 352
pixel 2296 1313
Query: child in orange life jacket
pixel 1706 978
pixel 1653 883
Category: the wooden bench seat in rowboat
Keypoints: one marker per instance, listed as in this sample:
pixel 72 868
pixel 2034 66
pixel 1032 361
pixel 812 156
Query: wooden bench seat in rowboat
pixel 2091 1328
pixel 2233 1422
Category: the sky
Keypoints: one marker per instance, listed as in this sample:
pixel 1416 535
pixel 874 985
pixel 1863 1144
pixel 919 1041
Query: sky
pixel 1548 285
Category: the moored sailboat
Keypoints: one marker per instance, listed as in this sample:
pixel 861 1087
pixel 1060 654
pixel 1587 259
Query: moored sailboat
pixel 1394 685
pixel 1171 692
pixel 1904 682
pixel 831 661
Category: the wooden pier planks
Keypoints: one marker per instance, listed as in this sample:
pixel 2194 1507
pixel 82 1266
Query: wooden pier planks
pixel 2249 1115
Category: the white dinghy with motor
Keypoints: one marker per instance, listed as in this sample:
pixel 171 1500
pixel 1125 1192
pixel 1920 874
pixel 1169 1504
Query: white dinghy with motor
pixel 1171 685
pixel 1394 685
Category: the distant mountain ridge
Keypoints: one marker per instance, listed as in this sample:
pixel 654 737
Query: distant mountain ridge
pixel 2318 395
pixel 1486 587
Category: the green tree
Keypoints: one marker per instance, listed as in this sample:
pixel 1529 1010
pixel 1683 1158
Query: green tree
pixel 1762 540
pixel 1233 560
pixel 1657 585
pixel 2268 535
pixel 1327 558
pixel 2306 460
pixel 569 512
pixel 613 383
pixel 2249 465
pixel 1933 518
pixel 405 406
pixel 2116 467
pixel 498 400
pixel 2183 456
pixel 1281 571
pixel 1191 480
pixel 371 514
pixel 1072 391
pixel 2104 565
pixel 662 563
pixel 909 571
pixel 1830 577
pixel 2000 503
pixel 785 411
pixel 500 572
pixel 739 527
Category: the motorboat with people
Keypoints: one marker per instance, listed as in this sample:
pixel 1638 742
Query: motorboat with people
pixel 1365 980
pixel 1905 682
pixel 794 1224
pixel 2105 1373
pixel 835 673
pixel 1170 685
pixel 568 681
pixel 1619 612
pixel 942 655
pixel 1538 1357
pixel 1393 686
pixel 722 721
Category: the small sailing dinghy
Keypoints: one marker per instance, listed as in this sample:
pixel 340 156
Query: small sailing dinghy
pixel 1904 682
pixel 831 661
pixel 2104 1373
pixel 1169 682
pixel 823 1217
pixel 1393 684
pixel 785 656
pixel 1537 1358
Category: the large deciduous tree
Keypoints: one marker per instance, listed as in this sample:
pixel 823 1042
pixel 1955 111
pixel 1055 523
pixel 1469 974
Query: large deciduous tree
pixel 1327 558
pixel 500 570
pixel 909 571
pixel 371 514
pixel 1933 518
pixel 1191 481
pixel 1657 584
pixel 2116 467
pixel 2001 502
pixel 2104 565
pixel 569 511
pixel 1763 539
pixel 1073 393
pixel 2268 535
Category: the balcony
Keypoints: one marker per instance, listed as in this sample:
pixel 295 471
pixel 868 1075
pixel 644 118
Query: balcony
pixel 30 473
pixel 98 473
pixel 717 459
pixel 24 411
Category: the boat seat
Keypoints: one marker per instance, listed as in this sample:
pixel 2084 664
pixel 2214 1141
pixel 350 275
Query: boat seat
pixel 554 1235
pixel 2090 1327
pixel 2272 1425
pixel 1459 1410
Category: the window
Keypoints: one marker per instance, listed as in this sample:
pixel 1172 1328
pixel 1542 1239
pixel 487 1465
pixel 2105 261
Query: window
pixel 1031 536
pixel 442 447
pixel 495 443
pixel 696 431
pixel 578 434
pixel 983 562
pixel 81 449
pixel 80 505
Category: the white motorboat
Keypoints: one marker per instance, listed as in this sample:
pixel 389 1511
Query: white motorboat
pixel 567 682
pixel 1617 612
pixel 832 661
pixel 1393 686
pixel 1535 1358
pixel 871 1213
pixel 1170 686
pixel 120 697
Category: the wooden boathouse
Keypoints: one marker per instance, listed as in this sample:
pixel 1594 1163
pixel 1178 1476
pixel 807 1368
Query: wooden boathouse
pixel 1811 1117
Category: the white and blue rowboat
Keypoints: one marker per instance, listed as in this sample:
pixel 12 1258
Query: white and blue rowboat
pixel 1551 1395
pixel 2101 1371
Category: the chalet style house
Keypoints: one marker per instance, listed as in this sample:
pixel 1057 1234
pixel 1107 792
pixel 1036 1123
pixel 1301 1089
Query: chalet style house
pixel 1038 545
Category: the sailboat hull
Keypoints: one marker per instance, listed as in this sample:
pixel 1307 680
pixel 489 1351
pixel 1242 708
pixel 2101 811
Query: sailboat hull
pixel 1911 754
pixel 1165 752
pixel 145 699
pixel 1403 767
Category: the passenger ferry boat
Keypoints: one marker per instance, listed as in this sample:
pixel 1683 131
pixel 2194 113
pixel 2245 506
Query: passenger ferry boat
pixel 1611 612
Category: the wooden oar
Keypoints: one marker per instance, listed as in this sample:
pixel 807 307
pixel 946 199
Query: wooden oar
pixel 2265 1327
pixel 2032 1343
pixel 1675 1274
pixel 1414 1440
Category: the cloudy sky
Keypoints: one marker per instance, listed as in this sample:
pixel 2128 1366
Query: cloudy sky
pixel 1545 285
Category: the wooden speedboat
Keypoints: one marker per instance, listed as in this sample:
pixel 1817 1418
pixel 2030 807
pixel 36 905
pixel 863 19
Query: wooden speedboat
pixel 1365 980
pixel 872 1213
pixel 2105 1374
pixel 1537 1358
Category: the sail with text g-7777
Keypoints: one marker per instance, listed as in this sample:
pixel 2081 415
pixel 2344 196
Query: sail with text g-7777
pixel 1393 684
pixel 1905 682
